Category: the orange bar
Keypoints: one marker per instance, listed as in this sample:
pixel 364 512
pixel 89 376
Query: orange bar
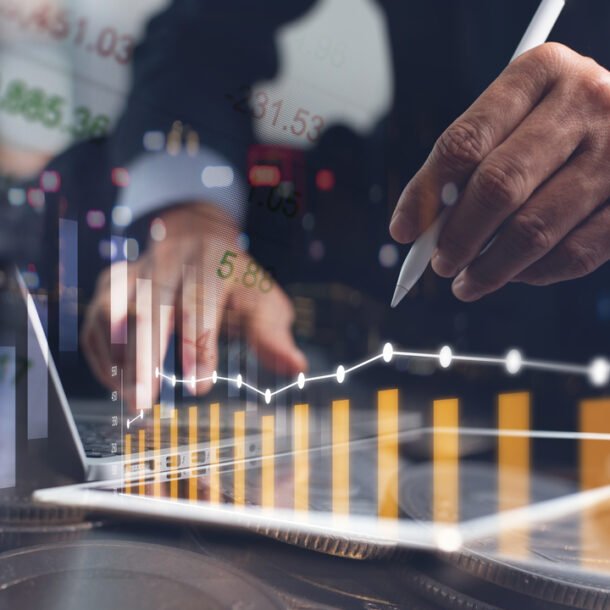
pixel 157 450
pixel 387 454
pixel 173 441
pixel 193 423
pixel 595 473
pixel 142 451
pixel 268 475
pixel 340 453
pixel 127 469
pixel 214 447
pixel 446 461
pixel 301 457
pixel 513 467
pixel 239 476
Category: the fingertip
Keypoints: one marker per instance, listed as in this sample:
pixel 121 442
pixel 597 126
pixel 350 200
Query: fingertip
pixel 301 365
pixel 462 290
pixel 202 387
pixel 399 229
pixel 442 266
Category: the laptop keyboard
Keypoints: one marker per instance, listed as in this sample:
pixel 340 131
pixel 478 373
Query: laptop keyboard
pixel 101 440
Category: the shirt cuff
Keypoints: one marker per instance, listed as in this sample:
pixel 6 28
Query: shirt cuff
pixel 159 180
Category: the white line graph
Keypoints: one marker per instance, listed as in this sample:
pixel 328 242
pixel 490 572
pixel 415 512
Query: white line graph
pixel 139 416
pixel 598 371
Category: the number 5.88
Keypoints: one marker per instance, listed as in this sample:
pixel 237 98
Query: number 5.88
pixel 250 278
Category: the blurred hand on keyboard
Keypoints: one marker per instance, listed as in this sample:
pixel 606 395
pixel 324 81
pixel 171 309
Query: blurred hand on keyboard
pixel 199 271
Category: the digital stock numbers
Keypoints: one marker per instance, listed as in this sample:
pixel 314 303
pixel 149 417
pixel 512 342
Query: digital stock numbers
pixel 253 276
pixel 65 25
pixel 39 106
pixel 277 200
pixel 258 105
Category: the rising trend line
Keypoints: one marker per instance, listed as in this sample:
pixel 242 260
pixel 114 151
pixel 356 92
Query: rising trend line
pixel 598 372
pixel 139 416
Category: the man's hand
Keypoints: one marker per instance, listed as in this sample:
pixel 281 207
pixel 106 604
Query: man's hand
pixel 531 162
pixel 191 273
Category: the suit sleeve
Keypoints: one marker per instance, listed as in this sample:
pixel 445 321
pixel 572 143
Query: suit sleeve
pixel 192 72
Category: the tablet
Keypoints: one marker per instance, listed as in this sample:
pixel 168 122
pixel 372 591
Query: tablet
pixel 365 498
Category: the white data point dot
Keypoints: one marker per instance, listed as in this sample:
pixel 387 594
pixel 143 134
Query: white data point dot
pixel 174 380
pixel 388 352
pixel 514 361
pixel 301 381
pixel 156 372
pixel 267 395
pixel 449 540
pixel 445 357
pixel 599 372
pixel 239 382
pixel 340 373
pixel 214 377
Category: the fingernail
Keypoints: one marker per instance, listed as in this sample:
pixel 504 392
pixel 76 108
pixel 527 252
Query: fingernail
pixel 399 231
pixel 461 289
pixel 442 265
pixel 191 386
pixel 393 223
pixel 299 355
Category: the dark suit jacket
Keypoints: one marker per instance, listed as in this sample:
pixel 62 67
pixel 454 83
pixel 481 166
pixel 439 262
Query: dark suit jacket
pixel 445 52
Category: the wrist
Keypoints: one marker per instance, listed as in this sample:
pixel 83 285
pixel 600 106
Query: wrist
pixel 199 218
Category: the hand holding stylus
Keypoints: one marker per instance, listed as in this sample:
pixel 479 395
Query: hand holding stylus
pixel 527 163
pixel 530 161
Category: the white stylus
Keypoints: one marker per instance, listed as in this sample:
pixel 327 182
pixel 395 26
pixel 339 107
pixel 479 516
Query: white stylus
pixel 421 252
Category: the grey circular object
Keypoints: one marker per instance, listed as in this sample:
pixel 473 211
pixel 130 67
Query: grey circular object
pixel 363 491
pixel 24 523
pixel 18 511
pixel 551 574
pixel 116 574
pixel 438 593
pixel 338 546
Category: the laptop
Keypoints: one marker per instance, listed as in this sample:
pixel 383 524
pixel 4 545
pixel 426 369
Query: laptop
pixel 87 438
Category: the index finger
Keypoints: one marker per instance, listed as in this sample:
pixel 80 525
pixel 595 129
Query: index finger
pixel 473 136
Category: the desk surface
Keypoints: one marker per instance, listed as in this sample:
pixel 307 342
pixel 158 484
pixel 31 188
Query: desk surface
pixel 110 565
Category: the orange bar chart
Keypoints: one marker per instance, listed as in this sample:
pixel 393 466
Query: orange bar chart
pixel 340 457
pixel 268 474
pixel 514 461
pixel 214 449
pixel 387 454
pixel 193 424
pixel 446 461
pixel 157 450
pixel 127 471
pixel 595 473
pixel 301 457
pixel 173 441
pixel 239 472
